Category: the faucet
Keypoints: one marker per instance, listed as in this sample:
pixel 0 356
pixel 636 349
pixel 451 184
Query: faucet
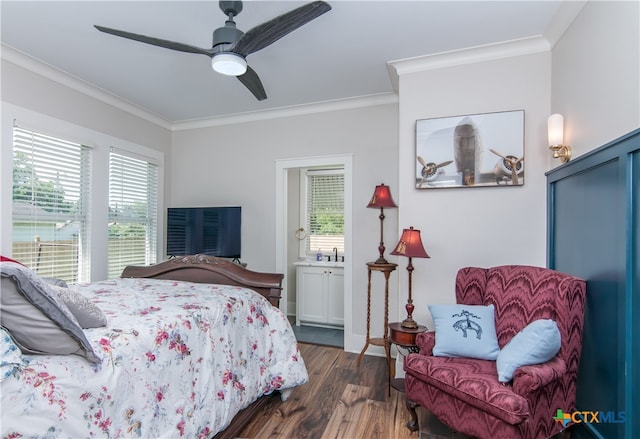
pixel 335 252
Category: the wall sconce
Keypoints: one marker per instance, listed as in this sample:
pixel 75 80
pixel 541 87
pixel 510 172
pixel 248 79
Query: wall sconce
pixel 555 126
pixel 410 245
pixel 381 198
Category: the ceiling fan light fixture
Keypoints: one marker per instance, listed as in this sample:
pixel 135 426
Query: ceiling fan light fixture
pixel 229 63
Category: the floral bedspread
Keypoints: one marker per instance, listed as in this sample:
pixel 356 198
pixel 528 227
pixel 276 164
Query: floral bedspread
pixel 179 359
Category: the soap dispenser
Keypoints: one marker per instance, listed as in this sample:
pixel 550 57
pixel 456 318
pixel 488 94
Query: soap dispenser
pixel 319 256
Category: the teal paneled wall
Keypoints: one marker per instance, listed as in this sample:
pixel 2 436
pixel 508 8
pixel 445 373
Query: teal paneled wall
pixel 594 210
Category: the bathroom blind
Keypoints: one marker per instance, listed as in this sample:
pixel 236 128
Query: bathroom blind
pixel 324 211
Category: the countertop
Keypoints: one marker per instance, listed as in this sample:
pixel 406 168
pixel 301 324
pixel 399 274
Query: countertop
pixel 312 263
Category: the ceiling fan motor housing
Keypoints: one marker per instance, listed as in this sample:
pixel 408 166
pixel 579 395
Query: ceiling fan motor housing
pixel 227 34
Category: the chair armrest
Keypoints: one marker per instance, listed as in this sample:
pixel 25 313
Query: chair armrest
pixel 425 341
pixel 527 379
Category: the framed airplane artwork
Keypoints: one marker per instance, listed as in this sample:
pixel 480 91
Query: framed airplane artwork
pixel 475 150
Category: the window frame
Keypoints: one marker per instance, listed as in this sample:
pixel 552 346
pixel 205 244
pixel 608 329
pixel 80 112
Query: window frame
pixel 101 144
pixel 305 249
pixel 43 154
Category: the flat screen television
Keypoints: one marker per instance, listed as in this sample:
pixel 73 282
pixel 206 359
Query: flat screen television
pixel 213 231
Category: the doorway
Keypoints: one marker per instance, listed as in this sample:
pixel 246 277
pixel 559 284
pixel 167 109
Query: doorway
pixel 285 229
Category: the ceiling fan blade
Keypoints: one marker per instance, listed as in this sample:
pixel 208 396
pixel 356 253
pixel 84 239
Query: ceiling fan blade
pixel 271 31
pixel 156 41
pixel 251 80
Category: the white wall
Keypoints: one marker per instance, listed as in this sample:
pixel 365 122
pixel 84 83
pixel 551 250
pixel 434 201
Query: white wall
pixel 24 88
pixel 596 74
pixel 235 164
pixel 473 226
pixel 592 76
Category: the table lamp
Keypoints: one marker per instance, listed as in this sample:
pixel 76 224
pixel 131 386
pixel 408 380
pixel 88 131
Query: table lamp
pixel 410 245
pixel 381 198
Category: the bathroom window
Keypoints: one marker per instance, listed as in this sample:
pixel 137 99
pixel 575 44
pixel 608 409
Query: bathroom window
pixel 322 211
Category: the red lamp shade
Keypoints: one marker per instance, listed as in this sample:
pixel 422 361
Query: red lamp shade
pixel 381 197
pixel 410 245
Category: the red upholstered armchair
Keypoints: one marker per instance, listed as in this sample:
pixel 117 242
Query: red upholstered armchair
pixel 465 393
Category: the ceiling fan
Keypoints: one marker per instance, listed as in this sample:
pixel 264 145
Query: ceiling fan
pixel 231 46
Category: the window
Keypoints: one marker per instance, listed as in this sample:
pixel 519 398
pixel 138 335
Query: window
pixel 323 210
pixel 133 211
pixel 51 190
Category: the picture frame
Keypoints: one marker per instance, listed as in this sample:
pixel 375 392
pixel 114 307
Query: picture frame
pixel 474 150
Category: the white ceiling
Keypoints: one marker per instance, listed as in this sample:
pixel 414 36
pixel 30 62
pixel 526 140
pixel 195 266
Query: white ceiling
pixel 342 54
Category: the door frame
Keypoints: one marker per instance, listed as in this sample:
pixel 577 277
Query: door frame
pixel 282 168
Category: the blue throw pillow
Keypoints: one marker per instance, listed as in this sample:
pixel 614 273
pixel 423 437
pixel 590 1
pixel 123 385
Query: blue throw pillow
pixel 537 343
pixel 465 331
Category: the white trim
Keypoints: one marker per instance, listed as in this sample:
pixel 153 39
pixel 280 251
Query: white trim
pixel 470 55
pixel 294 110
pixel 282 167
pixel 38 67
pixel 567 13
pixel 101 144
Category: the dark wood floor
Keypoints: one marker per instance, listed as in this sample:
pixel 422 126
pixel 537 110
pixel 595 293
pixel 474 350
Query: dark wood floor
pixel 342 400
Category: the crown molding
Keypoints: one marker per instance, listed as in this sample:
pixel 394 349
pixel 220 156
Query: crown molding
pixel 567 13
pixel 38 67
pixel 469 55
pixel 295 110
pixel 564 17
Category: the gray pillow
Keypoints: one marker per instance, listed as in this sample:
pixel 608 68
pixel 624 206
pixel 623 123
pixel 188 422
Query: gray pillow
pixel 39 322
pixel 86 313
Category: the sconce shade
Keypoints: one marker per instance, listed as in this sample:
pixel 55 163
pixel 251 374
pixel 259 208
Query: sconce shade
pixel 410 245
pixel 555 126
pixel 381 197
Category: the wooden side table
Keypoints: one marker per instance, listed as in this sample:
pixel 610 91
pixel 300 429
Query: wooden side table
pixel 386 269
pixel 406 338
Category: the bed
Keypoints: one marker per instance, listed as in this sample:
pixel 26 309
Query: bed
pixel 192 347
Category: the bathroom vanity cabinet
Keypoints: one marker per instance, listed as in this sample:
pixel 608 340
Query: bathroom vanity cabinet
pixel 320 294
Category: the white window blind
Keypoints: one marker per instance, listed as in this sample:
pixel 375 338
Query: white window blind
pixel 324 211
pixel 51 199
pixel 133 212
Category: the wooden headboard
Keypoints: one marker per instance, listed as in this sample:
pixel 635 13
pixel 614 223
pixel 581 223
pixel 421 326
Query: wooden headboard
pixel 212 270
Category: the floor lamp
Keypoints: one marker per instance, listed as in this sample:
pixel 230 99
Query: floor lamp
pixel 410 245
pixel 381 198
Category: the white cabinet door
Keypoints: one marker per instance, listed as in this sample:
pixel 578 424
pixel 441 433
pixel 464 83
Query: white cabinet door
pixel 335 295
pixel 320 295
pixel 311 294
